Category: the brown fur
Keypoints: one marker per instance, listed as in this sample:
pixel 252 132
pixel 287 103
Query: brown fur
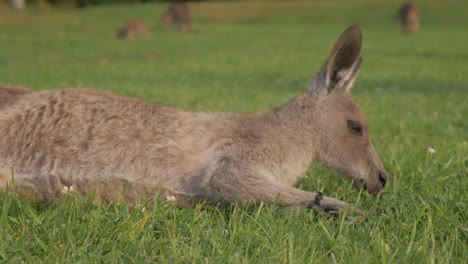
pixel 18 5
pixel 123 148
pixel 178 16
pixel 8 93
pixel 134 28
pixel 409 17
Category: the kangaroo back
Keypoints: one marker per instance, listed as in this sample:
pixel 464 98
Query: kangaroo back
pixel 8 93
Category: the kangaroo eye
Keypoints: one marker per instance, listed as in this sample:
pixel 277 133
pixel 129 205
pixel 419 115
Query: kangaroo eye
pixel 354 127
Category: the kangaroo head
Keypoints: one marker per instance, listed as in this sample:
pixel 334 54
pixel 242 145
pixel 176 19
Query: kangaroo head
pixel 343 142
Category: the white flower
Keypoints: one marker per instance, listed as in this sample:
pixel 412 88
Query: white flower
pixel 140 207
pixel 67 189
pixel 431 150
pixel 171 198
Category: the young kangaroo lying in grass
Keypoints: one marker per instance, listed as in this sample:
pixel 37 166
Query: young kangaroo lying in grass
pixel 120 147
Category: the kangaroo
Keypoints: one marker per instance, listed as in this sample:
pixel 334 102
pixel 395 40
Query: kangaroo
pixel 178 16
pixel 409 17
pixel 132 29
pixel 18 5
pixel 123 148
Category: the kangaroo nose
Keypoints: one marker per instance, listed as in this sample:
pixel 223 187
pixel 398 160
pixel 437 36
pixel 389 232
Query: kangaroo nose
pixel 383 178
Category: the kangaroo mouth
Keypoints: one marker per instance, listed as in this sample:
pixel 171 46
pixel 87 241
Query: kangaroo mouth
pixel 360 180
pixel 361 184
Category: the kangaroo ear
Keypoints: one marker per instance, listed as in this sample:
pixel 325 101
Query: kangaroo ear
pixel 342 65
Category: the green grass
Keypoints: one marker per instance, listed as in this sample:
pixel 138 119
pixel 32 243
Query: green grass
pixel 242 58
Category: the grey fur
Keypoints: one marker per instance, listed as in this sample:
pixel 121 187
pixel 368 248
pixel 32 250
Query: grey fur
pixel 123 148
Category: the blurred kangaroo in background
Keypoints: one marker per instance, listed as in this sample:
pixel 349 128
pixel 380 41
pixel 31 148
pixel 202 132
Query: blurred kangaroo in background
pixel 409 17
pixel 133 29
pixel 123 148
pixel 178 16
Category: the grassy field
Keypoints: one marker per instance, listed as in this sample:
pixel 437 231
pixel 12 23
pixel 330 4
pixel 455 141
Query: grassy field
pixel 249 57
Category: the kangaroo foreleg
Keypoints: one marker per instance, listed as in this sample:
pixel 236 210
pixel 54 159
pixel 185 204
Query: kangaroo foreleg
pixel 231 184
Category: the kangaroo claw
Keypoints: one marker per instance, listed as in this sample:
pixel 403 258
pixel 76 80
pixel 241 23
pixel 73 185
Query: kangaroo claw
pixel 331 211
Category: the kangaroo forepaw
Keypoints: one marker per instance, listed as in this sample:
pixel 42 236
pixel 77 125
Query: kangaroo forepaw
pixel 315 204
pixel 330 210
